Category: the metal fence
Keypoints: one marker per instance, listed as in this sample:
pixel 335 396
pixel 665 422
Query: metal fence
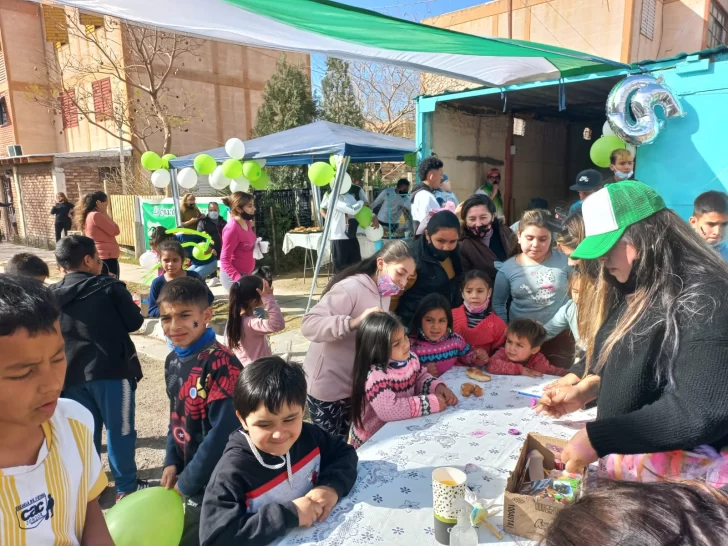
pixel 281 210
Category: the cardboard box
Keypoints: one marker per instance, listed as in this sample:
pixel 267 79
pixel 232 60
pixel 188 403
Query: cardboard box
pixel 524 515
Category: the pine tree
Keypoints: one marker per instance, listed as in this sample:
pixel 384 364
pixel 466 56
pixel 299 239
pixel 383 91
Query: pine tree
pixel 287 103
pixel 339 104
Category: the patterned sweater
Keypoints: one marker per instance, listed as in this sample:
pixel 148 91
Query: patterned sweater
pixel 394 395
pixel 499 364
pixel 489 334
pixel 445 353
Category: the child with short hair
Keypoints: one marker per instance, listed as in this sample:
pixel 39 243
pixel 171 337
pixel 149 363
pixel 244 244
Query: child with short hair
pixel 475 321
pixel 434 342
pixel 710 220
pixel 521 355
pixel 200 375
pixel 247 336
pixel 389 383
pixel 50 474
pixel 30 265
pixel 277 472
pixel 172 256
pixel 621 163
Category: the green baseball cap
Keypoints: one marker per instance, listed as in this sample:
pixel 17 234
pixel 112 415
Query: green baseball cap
pixel 610 211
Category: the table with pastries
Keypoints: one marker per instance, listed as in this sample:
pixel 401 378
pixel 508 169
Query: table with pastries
pixel 391 502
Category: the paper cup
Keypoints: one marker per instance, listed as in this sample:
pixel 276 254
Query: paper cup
pixel 448 485
pixel 264 247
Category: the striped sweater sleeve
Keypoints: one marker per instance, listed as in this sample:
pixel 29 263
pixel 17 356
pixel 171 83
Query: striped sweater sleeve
pixel 390 407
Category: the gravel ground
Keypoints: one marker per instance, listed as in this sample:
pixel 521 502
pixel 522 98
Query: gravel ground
pixel 152 418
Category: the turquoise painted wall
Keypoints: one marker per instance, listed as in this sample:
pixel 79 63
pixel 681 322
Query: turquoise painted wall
pixel 691 154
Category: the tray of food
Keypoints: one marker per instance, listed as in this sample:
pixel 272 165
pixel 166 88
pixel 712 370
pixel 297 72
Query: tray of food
pixel 306 230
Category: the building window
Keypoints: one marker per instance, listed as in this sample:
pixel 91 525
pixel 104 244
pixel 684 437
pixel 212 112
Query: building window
pixel 103 105
pixel 69 110
pixel 717 34
pixel 647 24
pixel 519 127
pixel 587 133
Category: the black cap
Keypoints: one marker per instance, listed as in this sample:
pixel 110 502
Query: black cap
pixel 588 180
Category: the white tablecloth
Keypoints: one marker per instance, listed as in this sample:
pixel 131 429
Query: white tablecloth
pixel 312 241
pixel 391 503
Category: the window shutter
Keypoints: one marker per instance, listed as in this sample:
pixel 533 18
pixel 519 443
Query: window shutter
pixel 647 24
pixel 103 104
pixel 55 24
pixel 69 111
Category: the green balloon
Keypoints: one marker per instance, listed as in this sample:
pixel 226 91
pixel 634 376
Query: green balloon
pixel 262 183
pixel 205 164
pixel 603 148
pixel 410 160
pixel 151 161
pixel 201 252
pixel 321 173
pixel 150 516
pixel 165 160
pixel 364 217
pixel 332 161
pixel 251 171
pixel 232 168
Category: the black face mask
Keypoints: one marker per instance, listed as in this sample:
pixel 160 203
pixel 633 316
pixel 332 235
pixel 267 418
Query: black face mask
pixel 439 255
pixel 479 232
pixel 247 216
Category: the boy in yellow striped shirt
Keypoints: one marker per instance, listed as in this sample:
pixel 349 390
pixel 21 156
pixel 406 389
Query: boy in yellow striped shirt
pixel 50 473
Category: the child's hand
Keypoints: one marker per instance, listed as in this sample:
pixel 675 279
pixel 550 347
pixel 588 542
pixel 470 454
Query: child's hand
pixel 480 357
pixel 326 497
pixel 169 477
pixel 432 370
pixel 266 290
pixel 355 322
pixel 308 511
pixel 449 396
pixel 441 401
pixel 530 373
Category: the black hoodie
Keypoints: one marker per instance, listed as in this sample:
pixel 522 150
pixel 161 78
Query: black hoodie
pixel 247 503
pixel 97 314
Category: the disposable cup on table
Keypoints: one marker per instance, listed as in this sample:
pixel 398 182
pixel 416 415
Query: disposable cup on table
pixel 448 485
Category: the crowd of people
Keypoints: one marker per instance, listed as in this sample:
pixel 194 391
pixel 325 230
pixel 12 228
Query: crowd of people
pixel 624 303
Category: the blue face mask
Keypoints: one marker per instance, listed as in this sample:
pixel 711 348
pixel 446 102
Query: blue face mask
pixel 623 176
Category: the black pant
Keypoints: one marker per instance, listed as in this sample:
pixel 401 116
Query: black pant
pixel 333 417
pixel 112 267
pixel 62 228
pixel 345 252
pixel 191 529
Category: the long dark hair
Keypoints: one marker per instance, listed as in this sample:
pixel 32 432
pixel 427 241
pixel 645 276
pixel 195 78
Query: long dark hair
pixel 442 220
pixel 242 294
pixel 373 348
pixel 86 205
pixel 678 280
pixel 394 252
pixel 430 303
pixel 648 514
pixel 158 236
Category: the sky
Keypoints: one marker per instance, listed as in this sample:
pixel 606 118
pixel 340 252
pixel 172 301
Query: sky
pixel 415 10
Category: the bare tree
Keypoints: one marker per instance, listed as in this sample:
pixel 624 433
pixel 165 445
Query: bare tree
pixel 138 62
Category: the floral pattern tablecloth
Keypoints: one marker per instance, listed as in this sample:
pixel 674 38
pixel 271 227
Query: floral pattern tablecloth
pixel 391 503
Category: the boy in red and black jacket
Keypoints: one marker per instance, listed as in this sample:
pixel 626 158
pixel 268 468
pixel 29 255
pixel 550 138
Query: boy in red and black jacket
pixel 277 472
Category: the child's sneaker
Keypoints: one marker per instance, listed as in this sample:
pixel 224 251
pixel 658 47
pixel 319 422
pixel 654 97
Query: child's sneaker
pixel 141 484
pixel 213 282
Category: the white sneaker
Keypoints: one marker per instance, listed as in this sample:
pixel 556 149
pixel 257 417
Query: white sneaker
pixel 213 282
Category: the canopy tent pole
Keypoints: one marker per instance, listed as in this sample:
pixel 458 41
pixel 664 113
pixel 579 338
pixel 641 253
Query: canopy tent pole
pixel 317 204
pixel 343 164
pixel 175 197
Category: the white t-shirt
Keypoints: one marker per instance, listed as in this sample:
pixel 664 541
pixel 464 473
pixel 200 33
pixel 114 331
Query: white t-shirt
pixel 345 205
pixel 423 203
pixel 45 503
pixel 392 204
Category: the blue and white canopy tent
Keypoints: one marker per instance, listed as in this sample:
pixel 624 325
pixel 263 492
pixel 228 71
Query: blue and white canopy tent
pixel 306 145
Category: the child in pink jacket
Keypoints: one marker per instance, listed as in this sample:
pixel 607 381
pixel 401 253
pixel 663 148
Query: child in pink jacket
pixel 389 383
pixel 247 336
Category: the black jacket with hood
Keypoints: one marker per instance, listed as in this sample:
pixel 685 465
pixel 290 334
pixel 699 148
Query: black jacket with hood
pixel 97 315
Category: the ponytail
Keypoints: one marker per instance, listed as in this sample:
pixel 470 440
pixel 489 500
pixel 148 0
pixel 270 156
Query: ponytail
pixel 242 294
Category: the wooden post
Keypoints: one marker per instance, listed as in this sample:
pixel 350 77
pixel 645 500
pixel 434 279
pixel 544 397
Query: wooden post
pixel 274 244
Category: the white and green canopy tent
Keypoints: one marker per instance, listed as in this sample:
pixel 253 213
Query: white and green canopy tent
pixel 339 30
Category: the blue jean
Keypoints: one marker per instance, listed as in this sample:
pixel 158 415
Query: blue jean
pixel 112 403
pixel 204 270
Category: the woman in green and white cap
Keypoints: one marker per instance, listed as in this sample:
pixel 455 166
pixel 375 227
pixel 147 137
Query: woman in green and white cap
pixel 661 353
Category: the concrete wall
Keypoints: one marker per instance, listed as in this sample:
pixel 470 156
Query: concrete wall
pixel 689 157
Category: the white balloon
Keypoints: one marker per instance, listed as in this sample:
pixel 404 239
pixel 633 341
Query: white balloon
pixel 240 184
pixel 374 234
pixel 235 148
pixel 261 162
pixel 148 260
pixel 345 184
pixel 607 129
pixel 161 178
pixel 218 180
pixel 187 178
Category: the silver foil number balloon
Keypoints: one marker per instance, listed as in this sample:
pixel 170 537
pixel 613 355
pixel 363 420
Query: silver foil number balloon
pixel 640 94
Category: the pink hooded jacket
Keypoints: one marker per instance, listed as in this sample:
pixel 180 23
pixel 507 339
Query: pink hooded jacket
pixel 329 363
